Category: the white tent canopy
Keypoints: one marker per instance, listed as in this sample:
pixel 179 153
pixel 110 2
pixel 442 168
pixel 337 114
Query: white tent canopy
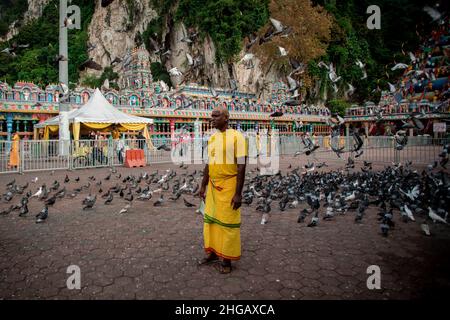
pixel 98 110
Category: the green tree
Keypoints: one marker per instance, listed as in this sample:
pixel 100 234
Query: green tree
pixel 226 21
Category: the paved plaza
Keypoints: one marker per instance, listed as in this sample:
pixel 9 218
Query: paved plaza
pixel 152 252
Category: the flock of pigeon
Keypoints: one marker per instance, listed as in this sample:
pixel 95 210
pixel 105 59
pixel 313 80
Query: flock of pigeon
pixel 398 190
pixel 130 188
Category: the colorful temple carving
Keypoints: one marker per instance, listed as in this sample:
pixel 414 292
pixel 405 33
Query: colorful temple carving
pixel 423 87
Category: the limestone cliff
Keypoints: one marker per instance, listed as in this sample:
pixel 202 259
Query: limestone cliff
pixel 35 8
pixel 34 11
pixel 113 30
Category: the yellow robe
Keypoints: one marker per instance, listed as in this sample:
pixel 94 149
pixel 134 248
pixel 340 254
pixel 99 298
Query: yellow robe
pixel 221 228
pixel 14 158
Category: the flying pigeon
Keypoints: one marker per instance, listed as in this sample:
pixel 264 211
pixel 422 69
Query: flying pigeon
pixel 175 72
pixel 399 66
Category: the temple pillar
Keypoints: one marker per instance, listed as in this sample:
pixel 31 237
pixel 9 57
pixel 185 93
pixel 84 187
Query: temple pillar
pixel 172 131
pixel 9 125
pixel 347 135
pixel 366 128
pixel 347 129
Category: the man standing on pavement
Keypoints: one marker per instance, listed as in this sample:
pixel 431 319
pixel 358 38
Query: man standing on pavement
pixel 223 181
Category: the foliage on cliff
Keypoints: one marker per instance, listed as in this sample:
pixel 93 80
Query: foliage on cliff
pixel 228 22
pixel 36 63
pixel 10 11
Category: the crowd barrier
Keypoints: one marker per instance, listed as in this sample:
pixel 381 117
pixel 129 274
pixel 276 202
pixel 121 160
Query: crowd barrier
pixel 40 155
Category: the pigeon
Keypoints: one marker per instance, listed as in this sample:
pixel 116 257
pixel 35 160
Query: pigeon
pixel 190 60
pixel 297 67
pixel 159 202
pixel 164 147
pixel 38 193
pixel 8 196
pixel 293 84
pixel 188 204
pixel 115 61
pixel 412 194
pixel 11 183
pixel 433 13
pixel 276 114
pixel 6 211
pixel 384 229
pixel 89 202
pixel 51 201
pixel 129 197
pixel 23 211
pixel 90 64
pixel 279 27
pixel 175 72
pixel 42 216
pixel 392 88
pixel 264 218
pixel 146 196
pixel 425 228
pixel 164 86
pixel 399 66
pixel 351 90
pixel 302 216
pixel 66 179
pixel 329 214
pixel 125 209
pixel 332 74
pixel 283 51
pixel 314 220
pixel 435 217
pixel 362 67
pixel 109 199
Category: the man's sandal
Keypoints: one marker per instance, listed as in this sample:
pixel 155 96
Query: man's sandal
pixel 225 269
pixel 207 260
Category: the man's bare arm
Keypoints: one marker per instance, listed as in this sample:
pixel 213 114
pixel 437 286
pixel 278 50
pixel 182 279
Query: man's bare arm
pixel 240 177
pixel 237 199
pixel 205 181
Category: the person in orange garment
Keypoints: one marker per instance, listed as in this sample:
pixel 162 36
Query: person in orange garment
pixel 14 157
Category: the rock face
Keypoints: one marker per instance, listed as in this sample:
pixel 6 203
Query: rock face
pixel 248 80
pixel 35 9
pixel 113 30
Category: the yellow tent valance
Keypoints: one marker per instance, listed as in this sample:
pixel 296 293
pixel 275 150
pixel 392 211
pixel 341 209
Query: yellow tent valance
pixel 96 126
pixel 133 126
pixel 49 129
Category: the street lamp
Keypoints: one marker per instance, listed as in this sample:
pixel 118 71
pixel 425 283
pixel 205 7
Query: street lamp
pixel 65 23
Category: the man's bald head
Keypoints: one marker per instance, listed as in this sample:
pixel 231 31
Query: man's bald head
pixel 223 110
pixel 220 117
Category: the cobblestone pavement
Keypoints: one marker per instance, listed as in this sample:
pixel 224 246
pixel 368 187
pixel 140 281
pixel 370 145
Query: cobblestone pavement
pixel 152 253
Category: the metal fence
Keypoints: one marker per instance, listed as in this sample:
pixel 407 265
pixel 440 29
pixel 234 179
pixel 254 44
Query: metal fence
pixel 5 150
pixel 39 155
pixel 36 155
